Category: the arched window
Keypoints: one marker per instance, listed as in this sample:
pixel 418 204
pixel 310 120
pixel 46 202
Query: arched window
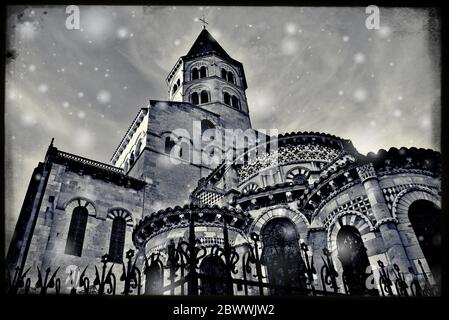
pixel 195 98
pixel 169 144
pixel 235 102
pixel 203 72
pixel 175 87
pixel 230 77
pixel 205 125
pixel 178 82
pixel 282 256
pixel 131 159
pixel 138 147
pixel 117 242
pixel 227 98
pixel 250 187
pixel 125 166
pixel 77 230
pixel 297 176
pixel 195 74
pixel 214 266
pixel 354 260
pixel 425 218
pixel 224 73
pixel 204 96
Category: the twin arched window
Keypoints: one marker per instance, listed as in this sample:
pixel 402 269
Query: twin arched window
pixel 231 100
pixel 199 73
pixel 77 230
pixel 227 75
pixel 202 97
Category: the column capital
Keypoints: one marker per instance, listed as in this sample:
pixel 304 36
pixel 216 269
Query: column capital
pixel 366 172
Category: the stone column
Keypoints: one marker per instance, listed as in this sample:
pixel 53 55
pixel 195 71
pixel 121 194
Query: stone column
pixel 385 222
pixel 317 242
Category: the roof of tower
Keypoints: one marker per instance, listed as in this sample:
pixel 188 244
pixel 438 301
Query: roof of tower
pixel 206 43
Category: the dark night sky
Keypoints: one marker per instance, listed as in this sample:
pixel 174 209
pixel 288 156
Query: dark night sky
pixel 308 69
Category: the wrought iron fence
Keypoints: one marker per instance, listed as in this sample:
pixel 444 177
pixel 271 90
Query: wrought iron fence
pixel 185 277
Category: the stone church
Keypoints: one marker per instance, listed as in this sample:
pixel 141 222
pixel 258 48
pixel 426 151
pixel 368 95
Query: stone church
pixel 289 199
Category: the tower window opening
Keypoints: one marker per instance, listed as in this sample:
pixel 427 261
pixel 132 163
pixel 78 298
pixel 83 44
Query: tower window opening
pixel 227 75
pixel 175 88
pixel 195 74
pixel 203 72
pixel 204 96
pixel 224 74
pixel 195 98
pixel 235 102
pixel 227 98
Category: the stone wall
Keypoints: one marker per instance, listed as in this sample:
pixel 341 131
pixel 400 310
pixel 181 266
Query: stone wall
pixel 64 189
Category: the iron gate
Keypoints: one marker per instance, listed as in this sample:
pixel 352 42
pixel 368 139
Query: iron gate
pixel 185 276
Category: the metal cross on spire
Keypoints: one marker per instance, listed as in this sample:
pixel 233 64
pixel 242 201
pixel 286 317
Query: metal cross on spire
pixel 203 20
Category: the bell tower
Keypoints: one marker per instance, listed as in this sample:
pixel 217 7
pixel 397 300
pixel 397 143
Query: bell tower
pixel 208 78
pixel 169 144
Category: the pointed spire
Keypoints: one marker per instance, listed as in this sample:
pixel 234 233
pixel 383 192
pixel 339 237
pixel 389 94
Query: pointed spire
pixel 206 43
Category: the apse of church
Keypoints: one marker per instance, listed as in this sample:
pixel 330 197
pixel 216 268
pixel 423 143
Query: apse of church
pixel 309 215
